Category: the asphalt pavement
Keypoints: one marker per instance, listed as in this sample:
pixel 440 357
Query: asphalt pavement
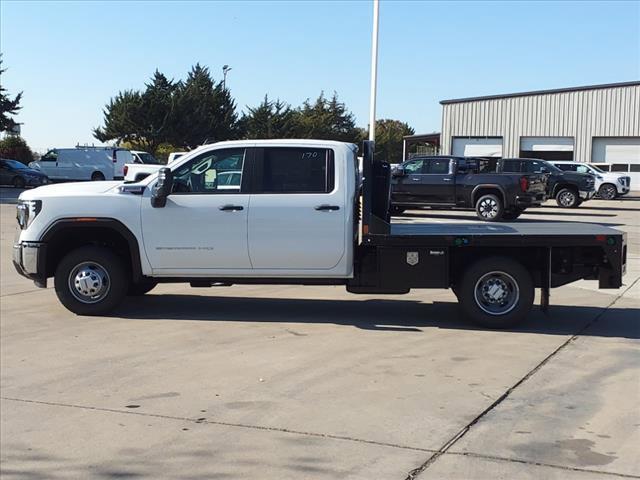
pixel 312 382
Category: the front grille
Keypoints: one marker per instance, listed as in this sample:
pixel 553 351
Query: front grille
pixel 626 181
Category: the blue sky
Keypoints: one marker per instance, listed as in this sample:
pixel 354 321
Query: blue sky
pixel 69 58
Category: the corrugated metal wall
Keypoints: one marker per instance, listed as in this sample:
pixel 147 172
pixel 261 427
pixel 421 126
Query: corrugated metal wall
pixel 582 114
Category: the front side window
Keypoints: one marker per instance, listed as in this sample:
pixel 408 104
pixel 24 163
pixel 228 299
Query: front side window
pixel 50 156
pixel 414 167
pixel 297 170
pixel 439 166
pixel 217 171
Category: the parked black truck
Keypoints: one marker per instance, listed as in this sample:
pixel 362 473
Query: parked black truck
pixel 446 181
pixel 569 189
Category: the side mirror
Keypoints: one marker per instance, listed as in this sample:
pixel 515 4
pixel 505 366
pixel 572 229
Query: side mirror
pixel 163 188
pixel 399 171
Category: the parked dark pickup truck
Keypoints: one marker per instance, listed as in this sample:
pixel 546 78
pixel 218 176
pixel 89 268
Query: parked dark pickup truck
pixel 446 181
pixel 569 189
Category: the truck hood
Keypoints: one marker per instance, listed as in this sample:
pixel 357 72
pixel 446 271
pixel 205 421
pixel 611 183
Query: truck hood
pixel 68 190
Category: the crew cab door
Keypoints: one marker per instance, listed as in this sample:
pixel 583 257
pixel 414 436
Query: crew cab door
pixel 408 188
pixel 297 211
pixel 202 230
pixel 438 182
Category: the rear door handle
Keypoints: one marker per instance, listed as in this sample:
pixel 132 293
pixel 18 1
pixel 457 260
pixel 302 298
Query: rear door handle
pixel 327 208
pixel 231 208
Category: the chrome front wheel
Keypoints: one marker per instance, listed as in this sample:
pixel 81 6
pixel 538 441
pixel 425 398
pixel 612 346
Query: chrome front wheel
pixel 89 282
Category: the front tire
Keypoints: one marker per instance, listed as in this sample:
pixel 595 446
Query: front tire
pixel 496 292
pixel 608 191
pixel 489 208
pixel 19 182
pixel 567 198
pixel 91 281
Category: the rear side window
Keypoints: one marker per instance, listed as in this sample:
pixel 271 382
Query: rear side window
pixel 298 170
pixel 439 166
pixel 511 166
pixel 533 166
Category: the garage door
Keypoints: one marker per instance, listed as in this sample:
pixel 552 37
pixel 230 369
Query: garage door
pixel 476 147
pixel 621 153
pixel 547 148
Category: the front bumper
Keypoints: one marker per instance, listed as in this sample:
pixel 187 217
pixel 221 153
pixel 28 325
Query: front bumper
pixel 531 200
pixel 586 195
pixel 29 259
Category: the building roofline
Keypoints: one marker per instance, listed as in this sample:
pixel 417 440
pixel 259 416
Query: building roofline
pixel 542 92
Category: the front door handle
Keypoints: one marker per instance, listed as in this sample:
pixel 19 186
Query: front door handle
pixel 231 208
pixel 327 208
pixel 446 179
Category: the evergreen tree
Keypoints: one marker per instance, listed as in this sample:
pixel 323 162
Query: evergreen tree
pixel 270 119
pixel 389 135
pixel 326 120
pixel 8 106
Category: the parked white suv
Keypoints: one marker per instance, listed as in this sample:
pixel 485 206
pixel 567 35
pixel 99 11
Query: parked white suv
pixel 608 185
pixel 84 163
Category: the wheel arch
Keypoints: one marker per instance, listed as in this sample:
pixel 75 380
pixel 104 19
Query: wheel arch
pixel 488 188
pixel 67 234
pixel 559 186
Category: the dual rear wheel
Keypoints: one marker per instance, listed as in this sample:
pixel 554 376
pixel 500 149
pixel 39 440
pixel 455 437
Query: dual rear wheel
pixel 496 292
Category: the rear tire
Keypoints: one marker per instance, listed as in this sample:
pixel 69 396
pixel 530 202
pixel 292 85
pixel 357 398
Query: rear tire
pixel 607 191
pixel 567 198
pixel 139 289
pixel 489 208
pixel 496 292
pixel 91 281
pixel 97 177
pixel 19 182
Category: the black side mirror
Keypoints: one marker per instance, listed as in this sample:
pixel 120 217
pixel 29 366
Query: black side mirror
pixel 163 188
pixel 399 171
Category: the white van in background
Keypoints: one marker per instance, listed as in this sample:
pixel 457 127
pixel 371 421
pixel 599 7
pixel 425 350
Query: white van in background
pixel 84 163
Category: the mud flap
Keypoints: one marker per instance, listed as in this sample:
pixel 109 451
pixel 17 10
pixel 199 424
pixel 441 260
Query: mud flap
pixel 545 277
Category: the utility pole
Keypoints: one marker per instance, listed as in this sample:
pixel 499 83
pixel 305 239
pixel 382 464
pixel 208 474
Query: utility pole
pixel 225 70
pixel 374 73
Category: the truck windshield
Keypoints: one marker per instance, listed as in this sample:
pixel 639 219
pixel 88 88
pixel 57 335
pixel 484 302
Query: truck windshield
pixel 551 167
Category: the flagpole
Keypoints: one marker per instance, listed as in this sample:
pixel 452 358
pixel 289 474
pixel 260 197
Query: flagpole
pixel 374 73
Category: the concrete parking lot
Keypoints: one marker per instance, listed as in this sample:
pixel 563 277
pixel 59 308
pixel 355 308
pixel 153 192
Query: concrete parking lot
pixel 276 382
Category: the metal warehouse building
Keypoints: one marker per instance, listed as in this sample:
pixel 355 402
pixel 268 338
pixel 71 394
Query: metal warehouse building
pixel 597 124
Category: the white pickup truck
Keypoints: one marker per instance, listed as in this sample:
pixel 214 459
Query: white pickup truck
pixel 292 216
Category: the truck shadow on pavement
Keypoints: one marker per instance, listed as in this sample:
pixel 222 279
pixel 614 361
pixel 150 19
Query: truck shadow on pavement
pixel 379 315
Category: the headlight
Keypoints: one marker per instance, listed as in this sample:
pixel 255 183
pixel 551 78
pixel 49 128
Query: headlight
pixel 621 180
pixel 27 211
